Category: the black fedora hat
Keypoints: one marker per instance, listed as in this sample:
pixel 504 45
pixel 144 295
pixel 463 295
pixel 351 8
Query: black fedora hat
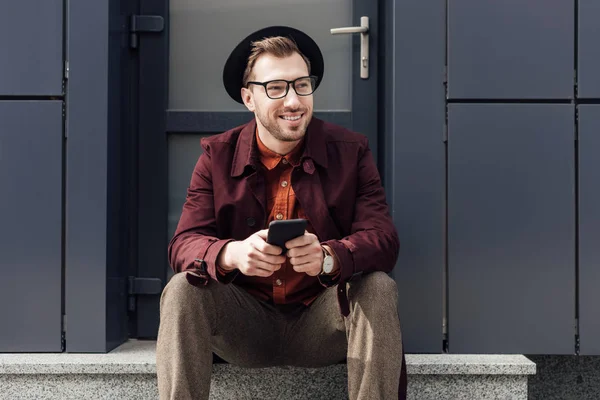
pixel 233 73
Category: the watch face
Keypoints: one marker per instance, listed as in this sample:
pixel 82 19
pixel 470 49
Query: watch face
pixel 328 264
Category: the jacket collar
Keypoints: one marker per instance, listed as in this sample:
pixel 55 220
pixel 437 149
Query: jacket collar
pixel 246 151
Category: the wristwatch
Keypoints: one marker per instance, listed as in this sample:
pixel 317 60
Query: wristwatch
pixel 327 262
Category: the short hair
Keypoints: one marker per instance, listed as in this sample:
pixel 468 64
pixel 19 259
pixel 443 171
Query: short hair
pixel 279 46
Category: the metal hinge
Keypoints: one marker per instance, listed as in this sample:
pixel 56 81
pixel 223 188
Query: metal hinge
pixel 142 286
pixel 143 24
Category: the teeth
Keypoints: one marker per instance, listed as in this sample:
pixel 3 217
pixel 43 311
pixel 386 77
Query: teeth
pixel 291 118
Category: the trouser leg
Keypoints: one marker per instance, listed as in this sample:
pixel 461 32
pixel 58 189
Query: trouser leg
pixel 369 337
pixel 374 338
pixel 197 321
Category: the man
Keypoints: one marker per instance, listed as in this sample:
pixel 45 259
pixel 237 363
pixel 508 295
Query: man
pixel 244 299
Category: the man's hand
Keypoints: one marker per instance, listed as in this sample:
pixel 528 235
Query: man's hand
pixel 253 256
pixel 306 254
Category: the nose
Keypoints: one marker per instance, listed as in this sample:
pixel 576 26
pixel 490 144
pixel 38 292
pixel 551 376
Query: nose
pixel 292 99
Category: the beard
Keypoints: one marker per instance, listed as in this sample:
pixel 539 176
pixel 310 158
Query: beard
pixel 275 125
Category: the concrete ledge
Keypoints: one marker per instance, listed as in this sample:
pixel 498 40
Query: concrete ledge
pixel 138 357
pixel 469 364
pixel 129 372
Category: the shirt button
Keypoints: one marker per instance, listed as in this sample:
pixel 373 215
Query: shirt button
pixel 284 184
pixel 284 161
pixel 279 216
pixel 278 282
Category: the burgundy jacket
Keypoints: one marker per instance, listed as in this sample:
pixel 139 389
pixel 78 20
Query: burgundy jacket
pixel 337 185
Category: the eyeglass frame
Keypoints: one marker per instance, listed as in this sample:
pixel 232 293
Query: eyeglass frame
pixel 287 86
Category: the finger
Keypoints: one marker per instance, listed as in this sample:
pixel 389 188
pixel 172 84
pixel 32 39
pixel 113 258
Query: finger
pixel 311 269
pixel 267 258
pixel 307 259
pixel 262 234
pixel 300 241
pixel 313 249
pixel 262 268
pixel 266 248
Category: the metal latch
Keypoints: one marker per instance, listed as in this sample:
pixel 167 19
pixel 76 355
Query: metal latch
pixel 142 286
pixel 143 24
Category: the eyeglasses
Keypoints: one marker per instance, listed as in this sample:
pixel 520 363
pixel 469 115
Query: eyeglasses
pixel 277 89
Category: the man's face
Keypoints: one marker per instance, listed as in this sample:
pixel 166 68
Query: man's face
pixel 285 119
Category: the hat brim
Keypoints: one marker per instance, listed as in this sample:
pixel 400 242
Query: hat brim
pixel 233 72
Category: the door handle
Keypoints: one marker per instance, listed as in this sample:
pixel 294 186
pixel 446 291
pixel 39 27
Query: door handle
pixel 363 29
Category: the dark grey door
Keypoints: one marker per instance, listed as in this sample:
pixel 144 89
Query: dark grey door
pixel 31 154
pixel 199 106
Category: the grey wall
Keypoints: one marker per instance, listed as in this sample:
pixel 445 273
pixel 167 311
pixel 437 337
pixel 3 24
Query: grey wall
pixel 31 179
pixel 498 224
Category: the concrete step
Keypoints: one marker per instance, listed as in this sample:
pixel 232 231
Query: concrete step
pixel 129 372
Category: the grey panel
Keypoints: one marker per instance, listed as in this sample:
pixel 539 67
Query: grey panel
pixel 511 228
pixel 31 227
pixel 510 49
pixel 87 192
pixel 589 56
pixel 589 228
pixel 31 55
pixel 413 154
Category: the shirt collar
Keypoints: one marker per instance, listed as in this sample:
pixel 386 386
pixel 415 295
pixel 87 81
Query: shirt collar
pixel 247 154
pixel 270 159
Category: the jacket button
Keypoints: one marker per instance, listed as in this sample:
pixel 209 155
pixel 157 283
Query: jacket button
pixel 251 221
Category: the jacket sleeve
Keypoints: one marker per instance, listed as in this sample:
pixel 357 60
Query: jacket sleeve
pixel 373 242
pixel 195 246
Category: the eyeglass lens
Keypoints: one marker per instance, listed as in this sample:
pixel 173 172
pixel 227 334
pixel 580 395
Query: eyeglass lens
pixel 303 87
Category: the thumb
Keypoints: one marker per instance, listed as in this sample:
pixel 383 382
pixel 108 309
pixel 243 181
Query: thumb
pixel 262 234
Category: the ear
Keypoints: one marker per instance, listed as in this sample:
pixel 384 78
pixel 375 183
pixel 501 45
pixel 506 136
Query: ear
pixel 248 98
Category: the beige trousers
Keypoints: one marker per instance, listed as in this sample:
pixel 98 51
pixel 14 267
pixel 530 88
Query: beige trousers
pixel 226 320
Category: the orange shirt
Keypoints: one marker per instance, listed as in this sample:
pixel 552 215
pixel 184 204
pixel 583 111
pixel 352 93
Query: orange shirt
pixel 285 286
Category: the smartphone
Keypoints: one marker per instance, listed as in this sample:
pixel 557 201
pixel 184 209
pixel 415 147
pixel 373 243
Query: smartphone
pixel 282 231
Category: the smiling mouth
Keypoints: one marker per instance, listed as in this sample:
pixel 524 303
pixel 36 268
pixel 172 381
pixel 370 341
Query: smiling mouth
pixel 291 118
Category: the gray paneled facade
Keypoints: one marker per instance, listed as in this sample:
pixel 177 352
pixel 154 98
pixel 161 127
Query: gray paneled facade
pixel 31 141
pixel 31 47
pixel 589 56
pixel 589 228
pixel 511 166
pixel 510 49
pixel 511 228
